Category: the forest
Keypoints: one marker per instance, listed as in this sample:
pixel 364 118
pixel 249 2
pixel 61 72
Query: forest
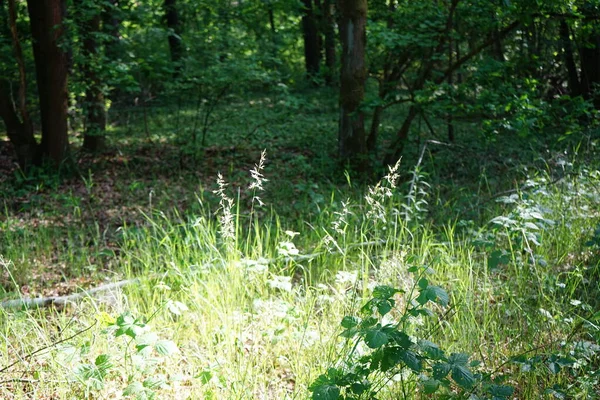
pixel 300 199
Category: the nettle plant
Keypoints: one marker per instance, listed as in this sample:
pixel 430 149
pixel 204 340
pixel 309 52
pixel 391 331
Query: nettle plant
pixel 382 351
pixel 138 357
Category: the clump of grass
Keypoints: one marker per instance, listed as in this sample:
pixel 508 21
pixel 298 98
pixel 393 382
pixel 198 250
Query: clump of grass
pixel 253 308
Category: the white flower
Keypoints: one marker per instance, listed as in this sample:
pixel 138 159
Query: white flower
pixel 281 282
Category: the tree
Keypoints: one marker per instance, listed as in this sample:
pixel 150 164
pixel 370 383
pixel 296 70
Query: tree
pixel 175 32
pixel 312 40
pixel 89 18
pixel 353 73
pixel 51 65
pixel 16 119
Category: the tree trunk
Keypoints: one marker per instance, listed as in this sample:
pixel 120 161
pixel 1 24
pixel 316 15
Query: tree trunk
pixel 16 120
pixel 397 147
pixel 329 33
pixel 590 68
pixel 95 113
pixel 175 31
pixel 573 77
pixel 51 64
pixel 352 136
pixel 310 32
pixel 20 133
pixel 110 26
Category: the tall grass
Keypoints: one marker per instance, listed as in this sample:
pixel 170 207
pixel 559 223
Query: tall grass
pixel 254 306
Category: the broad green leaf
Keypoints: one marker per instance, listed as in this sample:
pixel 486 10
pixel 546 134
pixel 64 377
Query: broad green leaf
pixel 441 370
pixel 376 337
pixel 458 359
pixel 326 392
pixel 385 292
pixel 411 360
pixel 431 386
pixel 501 391
pixel 431 350
pixel 462 376
pixel 349 322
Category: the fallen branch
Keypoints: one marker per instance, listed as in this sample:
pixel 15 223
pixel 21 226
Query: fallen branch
pixel 63 300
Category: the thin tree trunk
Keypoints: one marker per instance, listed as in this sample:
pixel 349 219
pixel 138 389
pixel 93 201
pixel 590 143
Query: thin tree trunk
pixel 175 31
pixel 397 147
pixel 310 32
pixel 19 133
pixel 329 33
pixel 572 75
pixel 352 135
pixel 51 65
pixel 95 113
pixel 590 68
pixel 110 26
pixel 17 122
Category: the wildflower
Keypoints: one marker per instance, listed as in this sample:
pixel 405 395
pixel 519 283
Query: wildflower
pixel 281 282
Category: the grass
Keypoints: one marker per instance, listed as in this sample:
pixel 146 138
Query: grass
pixel 253 303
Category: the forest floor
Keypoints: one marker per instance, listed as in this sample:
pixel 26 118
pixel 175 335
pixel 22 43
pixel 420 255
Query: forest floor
pixel 509 226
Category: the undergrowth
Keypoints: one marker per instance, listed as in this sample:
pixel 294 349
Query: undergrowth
pixel 370 298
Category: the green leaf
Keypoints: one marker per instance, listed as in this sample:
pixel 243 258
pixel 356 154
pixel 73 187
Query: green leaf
pixel 385 306
pixel 326 392
pixel 391 357
pixel 431 386
pixel 411 360
pixel 463 377
pixel 441 370
pixel 166 347
pixel 376 337
pixel 423 283
pixel 431 350
pixel 458 359
pixel 385 292
pixel 204 376
pixel 401 339
pixel 350 322
pixel 501 391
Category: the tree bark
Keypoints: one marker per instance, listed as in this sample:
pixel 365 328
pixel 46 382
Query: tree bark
pixel 95 113
pixel 352 135
pixel 329 34
pixel 16 116
pixel 19 132
pixel 572 75
pixel 51 65
pixel 175 31
pixel 310 32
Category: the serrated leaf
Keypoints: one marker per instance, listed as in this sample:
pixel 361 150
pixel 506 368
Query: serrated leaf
pixel 376 337
pixel 441 370
pixel 401 339
pixel 463 377
pixel 458 359
pixel 411 360
pixel 326 392
pixel 166 347
pixel 384 292
pixel 349 322
pixel 431 350
pixel 391 356
pixel 423 283
pixel 385 306
pixel 431 386
pixel 501 391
